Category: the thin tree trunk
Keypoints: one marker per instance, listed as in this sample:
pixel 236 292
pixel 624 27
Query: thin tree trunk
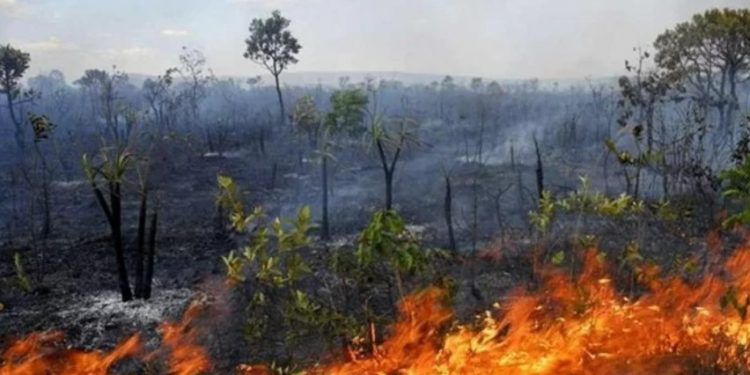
pixel 519 178
pixel 539 170
pixel 140 245
pixel 325 233
pixel 388 171
pixel 150 257
pixel 47 225
pixel 282 116
pixel 122 272
pixel 475 214
pixel 19 129
pixel 388 189
pixel 449 214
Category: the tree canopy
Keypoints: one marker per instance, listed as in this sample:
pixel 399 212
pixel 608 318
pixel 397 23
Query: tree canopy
pixel 13 64
pixel 711 55
pixel 347 111
pixel 271 44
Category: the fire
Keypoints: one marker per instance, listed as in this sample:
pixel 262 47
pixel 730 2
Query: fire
pixel 581 326
pixel 564 326
pixel 37 354
pixel 42 353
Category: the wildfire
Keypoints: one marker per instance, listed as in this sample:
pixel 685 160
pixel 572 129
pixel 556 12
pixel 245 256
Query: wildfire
pixel 42 353
pixel 581 326
pixel 565 326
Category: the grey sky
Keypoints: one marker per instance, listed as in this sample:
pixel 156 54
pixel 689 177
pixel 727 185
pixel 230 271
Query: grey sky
pixel 490 38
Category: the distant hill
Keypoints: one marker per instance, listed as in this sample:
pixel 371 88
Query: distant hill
pixel 331 79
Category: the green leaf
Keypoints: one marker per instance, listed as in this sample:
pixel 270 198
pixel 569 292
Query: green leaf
pixel 558 258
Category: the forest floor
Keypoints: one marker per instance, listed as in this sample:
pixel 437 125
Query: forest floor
pixel 74 282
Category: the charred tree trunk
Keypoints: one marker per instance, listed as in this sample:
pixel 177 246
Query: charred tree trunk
pixel 519 178
pixel 388 170
pixel 448 210
pixel 388 190
pixel 122 273
pixel 324 228
pixel 475 214
pixel 19 133
pixel 140 245
pixel 46 198
pixel 539 170
pixel 262 142
pixel 150 257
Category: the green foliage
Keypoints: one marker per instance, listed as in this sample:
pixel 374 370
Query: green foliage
pixel 690 48
pixel 306 116
pixel 631 256
pixel 386 239
pixel 41 125
pixel 347 112
pixel 271 44
pixel 393 133
pixel 667 211
pixel 230 200
pixel 583 201
pixel 625 158
pixel 279 268
pixel 22 279
pixel 558 257
pixel 13 64
pixel 545 213
pixel 737 186
pixel 112 166
pixel 272 258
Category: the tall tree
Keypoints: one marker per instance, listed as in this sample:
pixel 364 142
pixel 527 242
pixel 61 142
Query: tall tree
pixel 197 77
pixel 711 55
pixel 161 100
pixel 13 64
pixel 106 101
pixel 272 45
pixel 345 119
pixel 390 137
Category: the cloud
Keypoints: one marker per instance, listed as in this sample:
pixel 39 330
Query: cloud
pixel 173 33
pixel 125 53
pixel 135 51
pixel 8 4
pixel 263 4
pixel 12 8
pixel 51 44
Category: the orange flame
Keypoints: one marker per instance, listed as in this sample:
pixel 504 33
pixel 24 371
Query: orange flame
pixel 36 355
pixel 581 326
pixel 576 327
pixel 41 353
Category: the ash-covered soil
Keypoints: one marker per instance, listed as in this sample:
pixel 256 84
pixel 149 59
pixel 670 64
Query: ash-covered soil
pixel 73 272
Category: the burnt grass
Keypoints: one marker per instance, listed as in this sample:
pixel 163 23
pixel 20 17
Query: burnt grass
pixel 73 273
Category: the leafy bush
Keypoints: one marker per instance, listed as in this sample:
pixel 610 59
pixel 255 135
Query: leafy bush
pixel 271 261
pixel 272 264
pixel 737 186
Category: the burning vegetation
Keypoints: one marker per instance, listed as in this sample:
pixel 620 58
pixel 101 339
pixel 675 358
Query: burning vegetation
pixel 457 227
pixel 564 326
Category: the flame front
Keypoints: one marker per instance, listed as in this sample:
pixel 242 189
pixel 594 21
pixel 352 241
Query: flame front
pixel 41 353
pixel 565 326
pixel 37 354
pixel 581 326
